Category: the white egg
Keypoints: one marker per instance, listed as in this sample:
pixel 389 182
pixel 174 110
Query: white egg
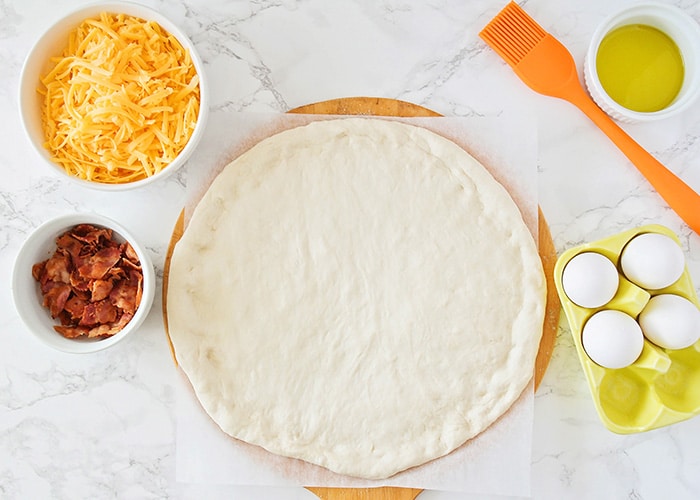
pixel 652 261
pixel 590 279
pixel 670 321
pixel 612 339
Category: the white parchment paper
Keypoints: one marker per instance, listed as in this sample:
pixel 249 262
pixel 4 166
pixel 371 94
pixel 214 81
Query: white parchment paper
pixel 497 462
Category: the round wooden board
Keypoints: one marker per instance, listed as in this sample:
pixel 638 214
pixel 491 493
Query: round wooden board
pixel 377 106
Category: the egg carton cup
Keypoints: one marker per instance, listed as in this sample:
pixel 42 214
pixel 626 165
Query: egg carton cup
pixel 662 386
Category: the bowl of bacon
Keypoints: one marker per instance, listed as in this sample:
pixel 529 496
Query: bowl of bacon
pixel 113 96
pixel 82 283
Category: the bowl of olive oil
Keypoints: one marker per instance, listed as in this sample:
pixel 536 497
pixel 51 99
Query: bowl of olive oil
pixel 643 63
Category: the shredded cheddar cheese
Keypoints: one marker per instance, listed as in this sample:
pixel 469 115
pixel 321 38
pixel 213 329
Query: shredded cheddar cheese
pixel 121 101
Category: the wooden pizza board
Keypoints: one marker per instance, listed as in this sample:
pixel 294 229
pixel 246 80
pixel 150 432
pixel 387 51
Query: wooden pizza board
pixel 378 106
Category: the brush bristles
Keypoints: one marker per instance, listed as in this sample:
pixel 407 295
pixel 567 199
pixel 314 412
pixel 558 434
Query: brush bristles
pixel 512 33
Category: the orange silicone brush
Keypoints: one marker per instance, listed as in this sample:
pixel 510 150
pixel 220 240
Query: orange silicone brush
pixel 547 67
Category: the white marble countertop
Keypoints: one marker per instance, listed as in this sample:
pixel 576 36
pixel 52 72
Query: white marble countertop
pixel 104 425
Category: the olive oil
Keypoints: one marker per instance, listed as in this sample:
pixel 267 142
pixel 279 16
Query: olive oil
pixel 640 67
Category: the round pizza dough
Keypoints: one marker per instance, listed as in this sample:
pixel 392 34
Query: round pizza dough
pixel 358 293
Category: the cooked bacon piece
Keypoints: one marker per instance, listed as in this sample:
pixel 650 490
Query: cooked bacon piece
pixel 82 294
pixel 117 273
pixel 68 245
pixel 38 270
pixel 75 307
pixel 98 313
pixel 57 268
pixel 102 331
pixel 100 263
pixel 99 289
pixel 91 284
pixel 90 234
pixel 127 293
pixel 138 276
pixel 130 253
pixel 72 332
pixel 126 263
pixel 48 285
pixel 64 317
pixel 126 317
pixel 79 283
pixel 55 299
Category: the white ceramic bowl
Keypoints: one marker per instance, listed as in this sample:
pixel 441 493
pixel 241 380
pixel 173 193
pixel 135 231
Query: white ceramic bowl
pixel 51 44
pixel 40 246
pixel 677 24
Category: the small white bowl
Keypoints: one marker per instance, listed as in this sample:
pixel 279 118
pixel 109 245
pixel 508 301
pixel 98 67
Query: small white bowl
pixel 40 245
pixel 675 23
pixel 51 44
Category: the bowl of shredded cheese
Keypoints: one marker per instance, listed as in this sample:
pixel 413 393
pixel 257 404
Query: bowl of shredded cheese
pixel 113 96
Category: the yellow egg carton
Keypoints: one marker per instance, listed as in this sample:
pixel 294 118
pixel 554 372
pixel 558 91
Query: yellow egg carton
pixel 662 386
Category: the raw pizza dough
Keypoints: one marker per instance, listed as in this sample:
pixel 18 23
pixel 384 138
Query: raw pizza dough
pixel 357 293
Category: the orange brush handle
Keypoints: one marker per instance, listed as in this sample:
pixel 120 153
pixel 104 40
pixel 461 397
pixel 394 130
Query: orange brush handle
pixel 549 69
pixel 679 196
